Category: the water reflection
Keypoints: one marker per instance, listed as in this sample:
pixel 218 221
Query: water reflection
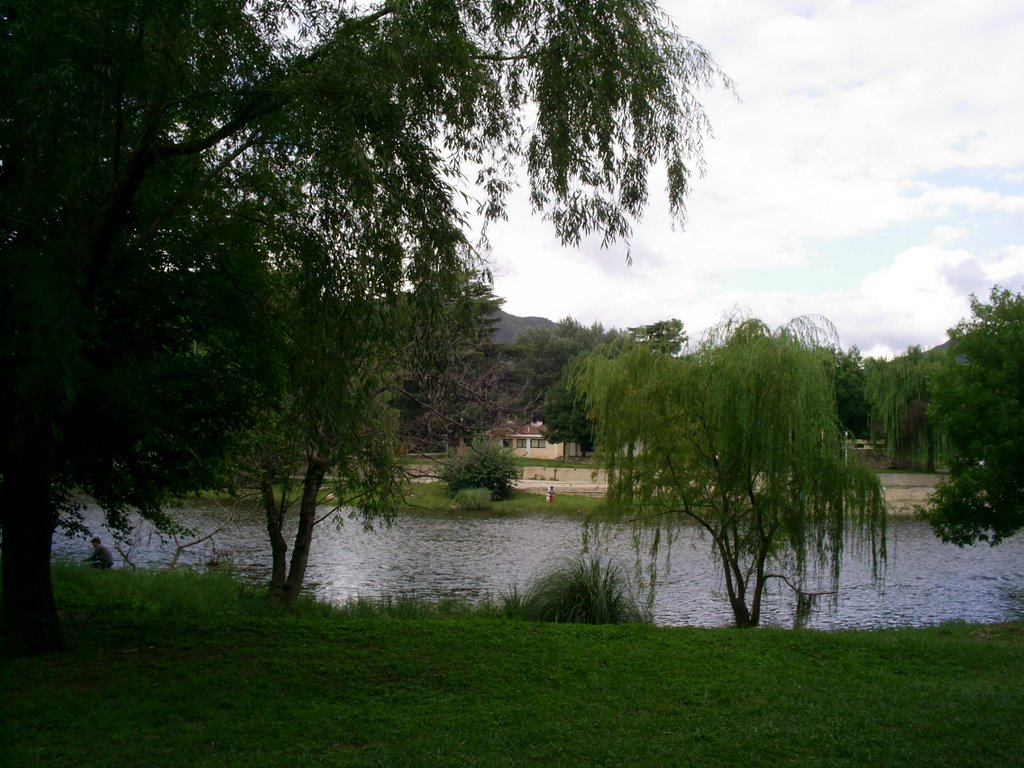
pixel 478 555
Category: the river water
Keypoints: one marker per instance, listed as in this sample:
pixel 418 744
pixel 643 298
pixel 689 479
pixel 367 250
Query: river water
pixel 480 555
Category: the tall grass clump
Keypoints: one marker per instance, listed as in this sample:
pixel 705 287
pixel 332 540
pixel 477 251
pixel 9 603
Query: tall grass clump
pixel 584 590
pixel 477 499
pixel 169 593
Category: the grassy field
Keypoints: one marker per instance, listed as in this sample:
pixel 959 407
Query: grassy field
pixel 433 497
pixel 520 460
pixel 187 670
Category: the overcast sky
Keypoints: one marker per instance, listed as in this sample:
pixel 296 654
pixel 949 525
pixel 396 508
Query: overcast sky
pixel 871 171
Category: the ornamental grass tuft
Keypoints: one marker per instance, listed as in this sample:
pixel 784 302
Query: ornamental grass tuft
pixel 584 590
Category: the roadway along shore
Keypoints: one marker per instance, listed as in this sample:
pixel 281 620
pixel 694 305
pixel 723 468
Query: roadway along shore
pixel 903 490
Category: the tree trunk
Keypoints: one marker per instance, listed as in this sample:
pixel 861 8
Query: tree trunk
pixel 29 519
pixel 312 481
pixel 745 616
pixel 740 613
pixel 755 604
pixel 734 582
pixel 762 558
pixel 278 546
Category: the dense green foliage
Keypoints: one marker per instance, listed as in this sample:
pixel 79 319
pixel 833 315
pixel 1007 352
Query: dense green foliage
pixel 898 392
pixel 483 464
pixel 666 336
pixel 490 386
pixel 537 361
pixel 565 415
pixel 978 403
pixel 541 365
pixel 460 393
pixel 742 438
pixel 234 685
pixel 851 392
pixel 171 169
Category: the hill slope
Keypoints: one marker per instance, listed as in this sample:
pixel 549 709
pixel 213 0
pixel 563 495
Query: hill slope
pixel 511 327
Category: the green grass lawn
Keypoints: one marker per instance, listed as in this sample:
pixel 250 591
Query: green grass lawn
pixel 433 498
pixel 571 463
pixel 183 670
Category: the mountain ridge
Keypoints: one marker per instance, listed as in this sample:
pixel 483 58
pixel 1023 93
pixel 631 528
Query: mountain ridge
pixel 509 327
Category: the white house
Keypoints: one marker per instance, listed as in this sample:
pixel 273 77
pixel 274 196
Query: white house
pixel 528 441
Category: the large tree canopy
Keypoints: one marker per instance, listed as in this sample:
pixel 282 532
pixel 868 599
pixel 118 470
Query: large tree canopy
pixel 537 361
pixel 160 159
pixel 460 389
pixel 740 438
pixel 978 402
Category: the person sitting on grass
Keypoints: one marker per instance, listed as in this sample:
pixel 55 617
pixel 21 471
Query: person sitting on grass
pixel 100 557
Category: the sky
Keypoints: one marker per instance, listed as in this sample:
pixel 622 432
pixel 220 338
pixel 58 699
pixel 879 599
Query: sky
pixel 869 169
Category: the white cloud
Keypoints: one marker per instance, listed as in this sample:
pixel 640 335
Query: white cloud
pixel 854 120
pixel 1008 268
pixel 943 235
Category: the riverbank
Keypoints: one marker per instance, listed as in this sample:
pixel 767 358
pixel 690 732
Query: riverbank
pixel 218 681
pixel 904 491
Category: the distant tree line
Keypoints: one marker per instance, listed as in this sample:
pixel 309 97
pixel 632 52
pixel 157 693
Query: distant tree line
pixel 958 408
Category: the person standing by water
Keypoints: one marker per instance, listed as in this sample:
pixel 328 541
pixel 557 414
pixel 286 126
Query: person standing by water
pixel 100 557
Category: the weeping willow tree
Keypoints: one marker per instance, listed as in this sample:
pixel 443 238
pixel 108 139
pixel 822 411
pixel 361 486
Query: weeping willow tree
pixel 897 392
pixel 741 438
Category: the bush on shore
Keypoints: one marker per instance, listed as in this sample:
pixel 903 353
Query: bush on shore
pixel 481 465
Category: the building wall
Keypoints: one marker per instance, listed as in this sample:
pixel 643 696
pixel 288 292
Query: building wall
pixel 536 447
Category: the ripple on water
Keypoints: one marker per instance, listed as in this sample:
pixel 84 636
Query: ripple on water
pixel 474 556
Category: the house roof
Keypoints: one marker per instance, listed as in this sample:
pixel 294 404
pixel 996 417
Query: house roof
pixel 535 429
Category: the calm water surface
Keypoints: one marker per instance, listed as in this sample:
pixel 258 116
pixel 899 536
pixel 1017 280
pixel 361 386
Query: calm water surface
pixel 479 555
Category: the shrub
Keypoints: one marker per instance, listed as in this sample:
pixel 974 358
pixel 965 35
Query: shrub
pixel 582 591
pixel 473 498
pixel 482 465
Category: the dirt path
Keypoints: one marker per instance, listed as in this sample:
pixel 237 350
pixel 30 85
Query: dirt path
pixel 903 490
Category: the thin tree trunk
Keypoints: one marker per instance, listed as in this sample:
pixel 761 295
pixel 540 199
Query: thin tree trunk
pixel 734 584
pixel 312 481
pixel 741 614
pixel 29 519
pixel 755 604
pixel 765 538
pixel 278 546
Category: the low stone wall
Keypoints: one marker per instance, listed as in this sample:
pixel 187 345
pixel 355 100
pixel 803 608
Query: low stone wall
pixel 565 474
pixel 905 491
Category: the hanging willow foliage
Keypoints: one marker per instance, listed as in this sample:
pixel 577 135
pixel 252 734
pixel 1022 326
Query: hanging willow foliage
pixel 742 438
pixel 897 391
